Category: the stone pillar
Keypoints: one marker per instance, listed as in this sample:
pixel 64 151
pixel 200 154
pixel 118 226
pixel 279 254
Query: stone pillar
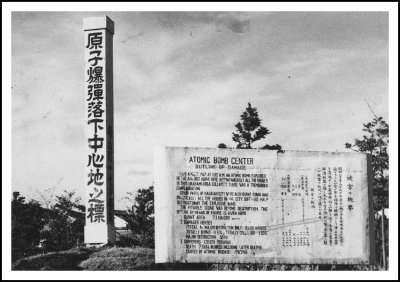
pixel 99 129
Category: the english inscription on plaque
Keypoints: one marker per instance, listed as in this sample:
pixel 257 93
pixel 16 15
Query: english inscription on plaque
pixel 259 206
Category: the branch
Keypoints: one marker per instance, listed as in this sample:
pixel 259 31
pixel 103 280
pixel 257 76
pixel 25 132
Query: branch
pixel 371 109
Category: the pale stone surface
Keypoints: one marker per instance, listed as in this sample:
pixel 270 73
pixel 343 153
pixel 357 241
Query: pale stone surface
pixel 246 206
pixel 98 23
pixel 99 129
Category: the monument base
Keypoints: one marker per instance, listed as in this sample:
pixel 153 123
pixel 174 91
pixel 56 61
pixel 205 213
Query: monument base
pixel 103 234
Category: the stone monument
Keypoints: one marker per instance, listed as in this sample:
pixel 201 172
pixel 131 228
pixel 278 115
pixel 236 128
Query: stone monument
pixel 99 130
pixel 259 206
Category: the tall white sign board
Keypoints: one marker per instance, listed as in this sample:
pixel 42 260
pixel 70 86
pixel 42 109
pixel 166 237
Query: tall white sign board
pixel 99 222
pixel 259 206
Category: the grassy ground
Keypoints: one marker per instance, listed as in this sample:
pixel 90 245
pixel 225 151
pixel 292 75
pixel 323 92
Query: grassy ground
pixel 118 258
pixel 105 258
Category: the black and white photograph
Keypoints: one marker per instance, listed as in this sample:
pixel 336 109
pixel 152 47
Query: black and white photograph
pixel 229 140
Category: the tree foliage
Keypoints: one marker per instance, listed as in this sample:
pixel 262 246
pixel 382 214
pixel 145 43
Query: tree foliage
pixel 250 130
pixel 273 147
pixel 375 142
pixel 27 222
pixel 65 224
pixel 222 146
pixel 56 226
pixel 141 217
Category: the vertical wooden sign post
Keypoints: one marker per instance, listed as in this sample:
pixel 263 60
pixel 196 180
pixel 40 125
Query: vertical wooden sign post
pixel 99 129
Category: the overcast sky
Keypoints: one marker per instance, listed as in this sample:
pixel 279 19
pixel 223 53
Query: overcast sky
pixel 183 79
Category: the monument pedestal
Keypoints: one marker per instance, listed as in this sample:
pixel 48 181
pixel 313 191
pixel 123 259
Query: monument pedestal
pixel 103 233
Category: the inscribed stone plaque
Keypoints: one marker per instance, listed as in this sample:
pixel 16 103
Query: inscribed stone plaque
pixel 259 206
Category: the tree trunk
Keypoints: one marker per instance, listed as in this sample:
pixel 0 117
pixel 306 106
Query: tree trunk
pixel 383 239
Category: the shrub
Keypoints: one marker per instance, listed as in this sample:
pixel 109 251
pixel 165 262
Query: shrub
pixel 66 260
pixel 121 259
pixel 127 241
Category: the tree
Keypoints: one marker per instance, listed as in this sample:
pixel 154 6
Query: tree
pixel 375 143
pixel 250 130
pixel 26 223
pixel 64 226
pixel 141 217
